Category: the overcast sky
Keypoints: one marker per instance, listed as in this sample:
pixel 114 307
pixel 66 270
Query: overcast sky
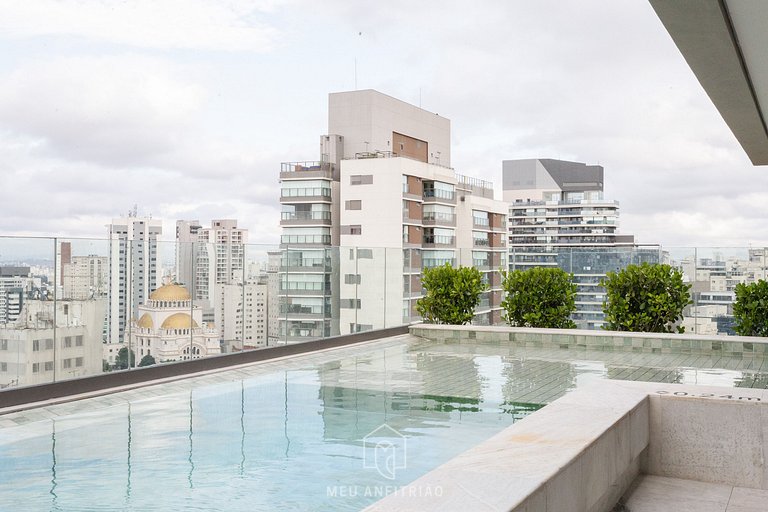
pixel 187 107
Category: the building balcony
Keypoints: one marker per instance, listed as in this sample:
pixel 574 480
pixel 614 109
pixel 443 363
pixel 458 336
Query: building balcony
pixel 305 240
pixel 439 196
pixel 304 289
pixel 322 265
pixel 436 241
pixel 307 170
pixel 298 312
pixel 305 219
pixel 439 219
pixel 438 262
pixel 305 195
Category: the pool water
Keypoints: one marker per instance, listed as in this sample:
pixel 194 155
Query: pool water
pixel 329 431
pixel 277 442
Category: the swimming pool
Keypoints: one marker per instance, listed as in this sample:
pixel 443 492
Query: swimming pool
pixel 328 431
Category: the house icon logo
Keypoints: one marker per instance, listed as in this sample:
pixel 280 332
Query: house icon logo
pixel 384 449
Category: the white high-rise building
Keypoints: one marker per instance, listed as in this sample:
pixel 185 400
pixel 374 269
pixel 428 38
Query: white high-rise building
pixel 85 277
pixel 241 314
pixel 133 269
pixel 220 256
pixel 384 192
pixel 186 239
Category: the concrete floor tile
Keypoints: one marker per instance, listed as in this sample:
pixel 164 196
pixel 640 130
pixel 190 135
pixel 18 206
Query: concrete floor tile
pixel 662 494
pixel 748 500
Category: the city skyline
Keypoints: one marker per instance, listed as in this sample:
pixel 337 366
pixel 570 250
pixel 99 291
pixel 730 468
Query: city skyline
pixel 187 109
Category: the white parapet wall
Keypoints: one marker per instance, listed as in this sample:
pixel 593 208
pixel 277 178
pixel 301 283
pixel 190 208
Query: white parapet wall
pixel 609 341
pixel 582 452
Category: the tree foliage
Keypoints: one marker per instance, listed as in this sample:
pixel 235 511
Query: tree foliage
pixel 121 361
pixel 751 309
pixel 147 360
pixel 452 294
pixel 539 297
pixel 645 298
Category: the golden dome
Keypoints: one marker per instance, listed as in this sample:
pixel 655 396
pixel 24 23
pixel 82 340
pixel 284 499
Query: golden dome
pixel 179 321
pixel 170 292
pixel 145 322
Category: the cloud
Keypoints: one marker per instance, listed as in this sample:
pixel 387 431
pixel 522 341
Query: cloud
pixel 231 25
pixel 117 110
pixel 93 130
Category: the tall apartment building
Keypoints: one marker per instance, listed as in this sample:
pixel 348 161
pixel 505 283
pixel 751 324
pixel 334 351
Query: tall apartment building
pixel 211 263
pixel 558 217
pixel 241 314
pixel 220 257
pixel 16 285
pixel 186 238
pixel 383 191
pixel 85 277
pixel 273 297
pixel 133 269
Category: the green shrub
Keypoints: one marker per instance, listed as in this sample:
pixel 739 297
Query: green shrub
pixel 645 298
pixel 121 361
pixel 539 297
pixel 147 360
pixel 751 309
pixel 452 294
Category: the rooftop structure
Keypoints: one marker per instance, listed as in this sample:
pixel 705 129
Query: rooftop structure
pixel 724 43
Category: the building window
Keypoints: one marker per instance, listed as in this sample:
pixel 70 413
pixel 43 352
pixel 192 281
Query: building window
pixel 49 344
pixel 353 204
pixel 365 254
pixel 67 341
pixel 3 344
pixel 78 361
pixel 351 278
pixel 67 363
pixel 3 367
pixel 350 303
pixel 361 179
pixel 35 367
pixel 78 341
pixel 35 345
pixel 49 366
pixel 354 229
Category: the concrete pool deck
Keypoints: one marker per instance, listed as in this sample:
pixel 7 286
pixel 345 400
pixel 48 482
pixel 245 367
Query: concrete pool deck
pixel 583 452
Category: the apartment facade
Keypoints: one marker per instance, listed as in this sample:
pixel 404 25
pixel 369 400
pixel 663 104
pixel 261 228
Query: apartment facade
pixel 186 238
pixel 380 204
pixel 133 269
pixel 52 340
pixel 16 284
pixel 558 217
pixel 85 277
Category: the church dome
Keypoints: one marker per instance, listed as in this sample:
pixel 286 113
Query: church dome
pixel 179 321
pixel 170 292
pixel 145 322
